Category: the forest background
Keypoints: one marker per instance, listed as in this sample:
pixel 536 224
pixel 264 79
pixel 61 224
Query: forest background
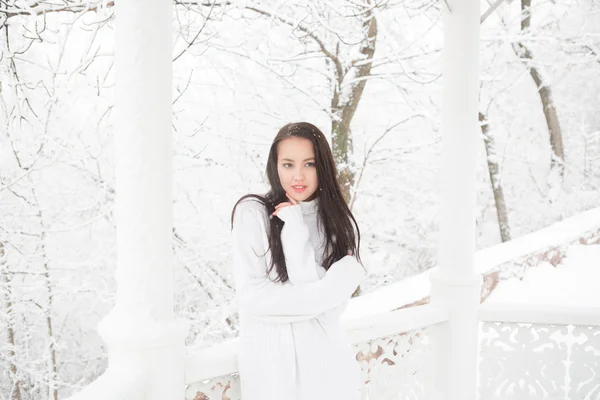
pixel 367 72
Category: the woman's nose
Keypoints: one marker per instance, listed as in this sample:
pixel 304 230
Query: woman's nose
pixel 298 174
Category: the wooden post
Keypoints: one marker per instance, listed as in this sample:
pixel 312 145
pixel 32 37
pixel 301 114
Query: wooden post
pixel 141 331
pixel 455 286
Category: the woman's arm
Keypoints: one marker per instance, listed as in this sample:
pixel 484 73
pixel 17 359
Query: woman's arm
pixel 299 252
pixel 263 299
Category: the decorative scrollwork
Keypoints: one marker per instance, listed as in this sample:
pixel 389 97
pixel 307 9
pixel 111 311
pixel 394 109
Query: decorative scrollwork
pixel 584 372
pixel 393 368
pixel 517 361
pixel 396 367
pixel 222 388
pixel 520 361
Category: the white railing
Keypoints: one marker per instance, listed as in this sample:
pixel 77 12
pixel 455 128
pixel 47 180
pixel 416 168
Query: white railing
pixel 114 384
pixel 539 352
pixel 511 336
pixel 533 352
pixel 509 259
pixel 392 349
pixel 526 351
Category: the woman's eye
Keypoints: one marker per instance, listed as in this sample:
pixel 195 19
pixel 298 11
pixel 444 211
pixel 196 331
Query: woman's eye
pixel 287 165
pixel 310 164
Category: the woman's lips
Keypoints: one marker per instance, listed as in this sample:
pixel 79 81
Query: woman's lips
pixel 299 189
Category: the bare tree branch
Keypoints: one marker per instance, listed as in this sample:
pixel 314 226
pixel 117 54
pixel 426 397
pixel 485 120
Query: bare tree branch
pixel 368 154
pixel 44 7
pixel 338 65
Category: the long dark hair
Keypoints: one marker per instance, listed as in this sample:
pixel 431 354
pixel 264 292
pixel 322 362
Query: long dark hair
pixel 333 212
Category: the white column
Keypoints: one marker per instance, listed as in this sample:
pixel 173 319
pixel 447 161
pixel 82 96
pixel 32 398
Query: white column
pixel 141 331
pixel 455 285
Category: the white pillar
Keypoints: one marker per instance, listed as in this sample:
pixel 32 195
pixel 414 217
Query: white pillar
pixel 455 285
pixel 141 331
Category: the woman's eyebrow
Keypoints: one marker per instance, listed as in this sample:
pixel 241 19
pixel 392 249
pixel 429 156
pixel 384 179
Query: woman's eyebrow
pixel 288 159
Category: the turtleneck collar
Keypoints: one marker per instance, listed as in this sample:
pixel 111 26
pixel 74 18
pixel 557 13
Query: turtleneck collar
pixel 309 207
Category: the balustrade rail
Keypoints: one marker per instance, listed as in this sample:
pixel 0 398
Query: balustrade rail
pixel 537 352
pixel 526 351
pixel 392 349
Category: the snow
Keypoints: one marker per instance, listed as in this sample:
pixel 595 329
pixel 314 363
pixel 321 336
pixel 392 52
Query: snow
pixel 235 87
pixel 575 281
pixel 390 297
pixel 557 234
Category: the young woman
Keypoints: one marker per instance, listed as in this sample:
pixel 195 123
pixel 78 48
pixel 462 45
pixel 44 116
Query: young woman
pixel 296 265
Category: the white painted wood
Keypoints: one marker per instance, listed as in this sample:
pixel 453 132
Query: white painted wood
pixel 455 285
pixel 221 359
pixel 394 322
pixel 141 332
pixel 114 384
pixel 415 288
pixel 143 158
pixel 540 314
pixel 459 138
pixel 218 360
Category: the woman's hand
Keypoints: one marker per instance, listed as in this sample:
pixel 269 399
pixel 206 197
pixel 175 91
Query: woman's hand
pixel 293 202
pixel 279 206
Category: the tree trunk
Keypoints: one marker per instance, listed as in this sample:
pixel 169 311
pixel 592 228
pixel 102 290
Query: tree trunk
pixel 494 170
pixel 52 363
pixel 545 92
pixel 344 109
pixel 15 393
pixel 342 149
pixel 53 369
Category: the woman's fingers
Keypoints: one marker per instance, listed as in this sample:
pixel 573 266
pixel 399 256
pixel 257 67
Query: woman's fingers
pixel 292 200
pixel 276 211
pixel 281 205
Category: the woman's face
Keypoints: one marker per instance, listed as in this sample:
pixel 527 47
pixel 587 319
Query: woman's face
pixel 296 168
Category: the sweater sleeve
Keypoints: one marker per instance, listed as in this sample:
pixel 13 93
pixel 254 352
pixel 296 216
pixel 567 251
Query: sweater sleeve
pixel 299 253
pixel 261 298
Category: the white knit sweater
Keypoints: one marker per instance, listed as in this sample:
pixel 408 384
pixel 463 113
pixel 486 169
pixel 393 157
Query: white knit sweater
pixel 292 343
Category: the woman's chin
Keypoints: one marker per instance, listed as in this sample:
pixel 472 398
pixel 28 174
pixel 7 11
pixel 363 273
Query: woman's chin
pixel 304 196
pixel 309 197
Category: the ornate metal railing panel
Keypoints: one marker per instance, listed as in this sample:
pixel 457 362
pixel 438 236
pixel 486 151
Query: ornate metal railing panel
pixel 221 388
pixel 393 368
pixel 539 361
pixel 396 367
